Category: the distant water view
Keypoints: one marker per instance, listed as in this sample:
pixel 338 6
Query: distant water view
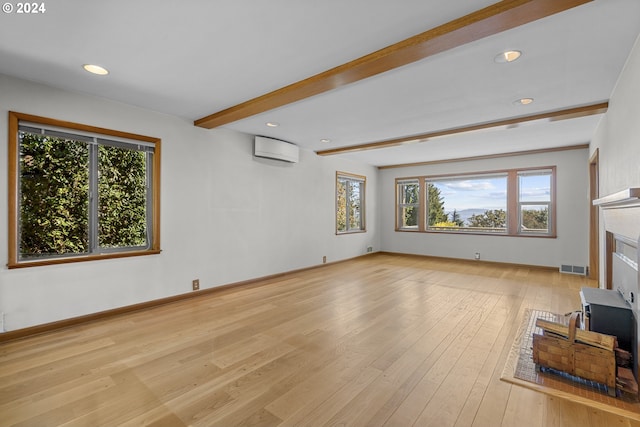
pixel 465 214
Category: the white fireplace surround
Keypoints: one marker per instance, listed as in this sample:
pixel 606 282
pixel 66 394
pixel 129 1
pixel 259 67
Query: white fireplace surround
pixel 620 213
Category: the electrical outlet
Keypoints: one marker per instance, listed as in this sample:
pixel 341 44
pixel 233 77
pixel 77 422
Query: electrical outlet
pixel 369 249
pixel 324 259
pixel 196 284
pixel 2 322
pixel 477 255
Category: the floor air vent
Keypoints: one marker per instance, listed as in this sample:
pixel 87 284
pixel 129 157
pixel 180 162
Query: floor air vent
pixel 573 269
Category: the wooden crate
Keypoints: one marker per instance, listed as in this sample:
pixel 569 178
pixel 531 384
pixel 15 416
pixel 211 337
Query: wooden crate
pixel 590 356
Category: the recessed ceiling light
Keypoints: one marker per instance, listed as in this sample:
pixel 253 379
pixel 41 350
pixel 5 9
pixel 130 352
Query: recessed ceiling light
pixel 325 140
pixel 95 69
pixel 508 56
pixel 523 101
pixel 272 124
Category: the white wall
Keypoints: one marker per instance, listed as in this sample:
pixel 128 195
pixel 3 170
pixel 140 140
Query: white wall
pixel 225 216
pixel 618 139
pixel 570 246
pixel 618 136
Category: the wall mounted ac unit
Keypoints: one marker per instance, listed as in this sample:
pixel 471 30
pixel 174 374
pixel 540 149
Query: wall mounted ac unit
pixel 275 149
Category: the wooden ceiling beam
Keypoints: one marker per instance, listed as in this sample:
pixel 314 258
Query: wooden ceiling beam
pixel 556 115
pixel 491 20
pixel 487 156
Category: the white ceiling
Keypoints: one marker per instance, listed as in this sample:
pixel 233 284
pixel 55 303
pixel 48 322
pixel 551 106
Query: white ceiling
pixel 194 58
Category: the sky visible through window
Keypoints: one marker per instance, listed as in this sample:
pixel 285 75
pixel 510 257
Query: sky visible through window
pixel 535 188
pixel 487 193
pixel 479 193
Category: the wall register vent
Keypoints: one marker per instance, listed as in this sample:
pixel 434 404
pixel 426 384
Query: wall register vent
pixel 573 269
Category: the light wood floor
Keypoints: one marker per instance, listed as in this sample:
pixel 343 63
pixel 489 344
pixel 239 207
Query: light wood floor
pixel 381 340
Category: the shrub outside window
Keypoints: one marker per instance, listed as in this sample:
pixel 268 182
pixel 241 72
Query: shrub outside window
pixel 80 192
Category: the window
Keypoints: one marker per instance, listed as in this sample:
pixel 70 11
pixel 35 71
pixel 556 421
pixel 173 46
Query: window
pixel 534 202
pixel 408 204
pixel 80 192
pixel 472 203
pixel 510 202
pixel 350 192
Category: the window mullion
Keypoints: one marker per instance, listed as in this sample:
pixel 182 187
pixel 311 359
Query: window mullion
pixel 513 203
pixel 423 205
pixel 149 198
pixel 347 204
pixel 93 198
pixel 361 206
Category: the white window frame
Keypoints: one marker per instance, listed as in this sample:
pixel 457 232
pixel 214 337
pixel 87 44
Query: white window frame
pixel 470 177
pixel 548 203
pixel 401 205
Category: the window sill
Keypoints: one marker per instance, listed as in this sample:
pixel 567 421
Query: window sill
pixel 342 233
pixel 477 233
pixel 69 260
